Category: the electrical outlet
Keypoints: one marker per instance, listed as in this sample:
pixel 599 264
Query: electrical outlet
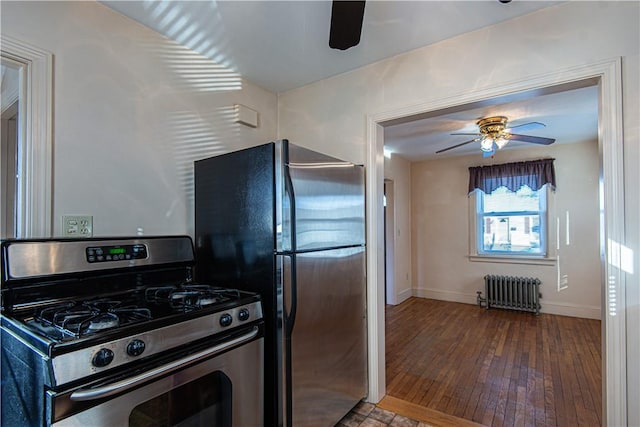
pixel 77 225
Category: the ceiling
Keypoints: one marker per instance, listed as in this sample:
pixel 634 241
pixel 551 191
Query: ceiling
pixel 283 45
pixel 570 116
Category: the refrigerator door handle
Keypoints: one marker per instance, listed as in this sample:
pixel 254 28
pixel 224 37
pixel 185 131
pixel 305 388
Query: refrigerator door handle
pixel 289 294
pixel 291 195
pixel 289 308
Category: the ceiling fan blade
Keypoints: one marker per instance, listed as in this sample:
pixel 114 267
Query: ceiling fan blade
pixel 528 126
pixel 456 146
pixel 346 24
pixel 532 139
pixel 469 134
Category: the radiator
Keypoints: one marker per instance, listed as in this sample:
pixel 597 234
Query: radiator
pixel 513 293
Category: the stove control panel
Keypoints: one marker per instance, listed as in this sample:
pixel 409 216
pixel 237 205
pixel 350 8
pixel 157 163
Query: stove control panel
pixel 115 253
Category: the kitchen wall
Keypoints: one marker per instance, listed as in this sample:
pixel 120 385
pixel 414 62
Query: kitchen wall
pixel 332 114
pixel 128 118
pixel 440 230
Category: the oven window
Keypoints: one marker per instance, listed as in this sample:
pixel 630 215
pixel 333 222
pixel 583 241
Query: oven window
pixel 202 402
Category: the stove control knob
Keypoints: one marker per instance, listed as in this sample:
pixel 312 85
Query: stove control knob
pixel 226 319
pixel 135 348
pixel 102 358
pixel 243 315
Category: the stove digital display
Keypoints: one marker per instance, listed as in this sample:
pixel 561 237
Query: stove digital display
pixel 115 253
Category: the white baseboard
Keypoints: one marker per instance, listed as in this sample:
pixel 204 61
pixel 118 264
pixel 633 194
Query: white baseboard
pixel 442 295
pixel 561 309
pixel 404 295
pixel 573 310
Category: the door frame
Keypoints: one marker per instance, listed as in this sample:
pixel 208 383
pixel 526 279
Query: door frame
pixel 607 74
pixel 34 202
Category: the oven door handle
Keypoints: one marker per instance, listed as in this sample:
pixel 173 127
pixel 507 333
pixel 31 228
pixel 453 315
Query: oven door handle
pixel 117 387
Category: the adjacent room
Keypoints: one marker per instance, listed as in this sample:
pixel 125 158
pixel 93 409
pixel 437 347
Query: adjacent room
pixel 443 236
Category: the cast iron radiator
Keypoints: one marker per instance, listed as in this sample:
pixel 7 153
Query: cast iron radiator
pixel 513 293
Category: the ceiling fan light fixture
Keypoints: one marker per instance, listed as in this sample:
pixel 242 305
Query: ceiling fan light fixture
pixel 501 141
pixel 492 129
pixel 486 144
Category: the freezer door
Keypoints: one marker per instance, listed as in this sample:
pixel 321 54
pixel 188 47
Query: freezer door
pixel 327 351
pixel 327 199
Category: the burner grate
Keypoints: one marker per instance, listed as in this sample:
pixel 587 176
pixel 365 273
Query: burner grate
pixel 187 297
pixel 79 319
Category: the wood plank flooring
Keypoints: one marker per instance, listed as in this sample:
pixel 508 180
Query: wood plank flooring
pixel 495 367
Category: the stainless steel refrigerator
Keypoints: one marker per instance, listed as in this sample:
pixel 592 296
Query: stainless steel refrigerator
pixel 289 223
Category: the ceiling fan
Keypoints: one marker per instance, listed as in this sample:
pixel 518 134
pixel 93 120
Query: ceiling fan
pixel 346 24
pixel 494 133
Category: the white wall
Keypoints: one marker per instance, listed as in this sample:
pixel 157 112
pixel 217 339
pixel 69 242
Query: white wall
pixel 441 232
pixel 332 114
pixel 398 170
pixel 128 122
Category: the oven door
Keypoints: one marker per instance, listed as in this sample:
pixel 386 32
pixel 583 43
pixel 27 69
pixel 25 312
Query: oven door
pixel 212 387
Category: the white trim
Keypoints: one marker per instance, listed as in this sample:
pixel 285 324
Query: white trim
pixel 514 259
pixel 375 261
pixel 609 74
pixel 34 195
pixel 442 295
pixel 614 296
pixel 403 296
pixel 572 310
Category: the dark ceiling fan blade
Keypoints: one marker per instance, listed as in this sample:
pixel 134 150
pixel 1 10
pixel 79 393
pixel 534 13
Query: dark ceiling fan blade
pixel 346 24
pixel 456 146
pixel 528 126
pixel 532 139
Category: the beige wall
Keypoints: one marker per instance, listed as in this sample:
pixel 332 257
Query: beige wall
pixel 440 230
pixel 128 121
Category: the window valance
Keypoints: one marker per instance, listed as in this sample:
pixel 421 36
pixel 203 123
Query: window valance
pixel 534 174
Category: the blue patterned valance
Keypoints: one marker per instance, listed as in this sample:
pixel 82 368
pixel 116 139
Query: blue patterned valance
pixel 533 174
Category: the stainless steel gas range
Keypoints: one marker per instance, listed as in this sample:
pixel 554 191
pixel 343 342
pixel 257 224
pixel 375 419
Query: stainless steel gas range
pixel 114 332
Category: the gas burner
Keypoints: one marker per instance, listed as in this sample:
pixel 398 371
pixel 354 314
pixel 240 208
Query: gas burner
pixel 103 321
pixel 187 297
pixel 89 317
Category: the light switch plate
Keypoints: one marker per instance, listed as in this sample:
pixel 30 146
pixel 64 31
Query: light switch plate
pixel 77 225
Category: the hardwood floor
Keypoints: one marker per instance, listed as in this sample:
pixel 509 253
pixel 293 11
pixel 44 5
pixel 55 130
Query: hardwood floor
pixel 495 367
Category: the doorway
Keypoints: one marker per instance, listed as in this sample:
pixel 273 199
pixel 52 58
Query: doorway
pixel 606 75
pixel 9 138
pixel 389 242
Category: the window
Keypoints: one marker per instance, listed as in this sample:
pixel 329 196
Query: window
pixel 509 216
pixel 512 222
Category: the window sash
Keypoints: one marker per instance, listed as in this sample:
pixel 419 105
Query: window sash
pixel 542 221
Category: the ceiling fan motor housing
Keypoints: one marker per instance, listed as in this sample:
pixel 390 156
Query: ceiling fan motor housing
pixel 492 126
